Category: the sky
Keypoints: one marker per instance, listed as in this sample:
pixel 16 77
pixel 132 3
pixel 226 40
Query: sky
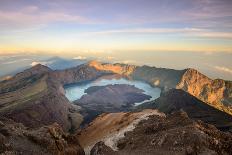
pixel 120 28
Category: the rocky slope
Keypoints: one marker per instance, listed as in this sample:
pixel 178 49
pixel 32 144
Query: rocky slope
pixel 77 74
pixel 176 99
pixel 35 97
pixel 175 134
pixel 111 127
pixel 217 93
pixel 160 77
pixel 48 140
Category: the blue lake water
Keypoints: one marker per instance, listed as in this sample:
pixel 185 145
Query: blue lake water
pixel 76 91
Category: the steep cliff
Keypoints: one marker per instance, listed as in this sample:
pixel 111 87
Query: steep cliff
pixel 217 93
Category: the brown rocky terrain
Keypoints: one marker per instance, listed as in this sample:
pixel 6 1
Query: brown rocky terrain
pixel 77 74
pixel 175 134
pixel 177 99
pixel 217 93
pixel 15 138
pixel 35 97
pixel 109 98
pixel 122 69
pixel 111 127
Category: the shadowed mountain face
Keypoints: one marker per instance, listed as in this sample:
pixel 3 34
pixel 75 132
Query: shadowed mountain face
pixel 174 134
pixel 36 96
pixel 176 99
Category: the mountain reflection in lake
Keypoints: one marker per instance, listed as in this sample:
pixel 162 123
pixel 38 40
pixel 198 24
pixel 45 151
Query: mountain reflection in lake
pixel 77 90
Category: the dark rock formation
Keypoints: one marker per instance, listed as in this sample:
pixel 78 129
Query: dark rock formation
pixel 117 96
pixel 110 98
pixel 100 148
pixel 48 140
pixel 177 99
pixel 175 134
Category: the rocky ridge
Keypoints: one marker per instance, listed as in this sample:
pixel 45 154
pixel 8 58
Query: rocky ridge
pixel 175 134
pixel 110 127
pixel 36 97
pixel 216 93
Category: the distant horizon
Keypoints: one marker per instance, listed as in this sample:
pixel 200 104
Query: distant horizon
pixel 209 63
pixel 164 33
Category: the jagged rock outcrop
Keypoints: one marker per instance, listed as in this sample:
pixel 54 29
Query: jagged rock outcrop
pixel 174 134
pixel 48 140
pixel 217 93
pixel 177 99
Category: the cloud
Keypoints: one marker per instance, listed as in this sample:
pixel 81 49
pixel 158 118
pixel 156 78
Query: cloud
pixel 31 17
pixel 192 32
pixel 80 58
pixel 14 61
pixel 224 69
pixel 34 63
pixel 147 30
pixel 128 61
pixel 110 58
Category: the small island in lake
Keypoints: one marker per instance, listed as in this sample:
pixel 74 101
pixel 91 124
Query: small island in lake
pixel 110 98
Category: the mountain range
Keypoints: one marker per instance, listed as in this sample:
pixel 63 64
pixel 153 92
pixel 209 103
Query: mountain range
pixel 36 98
